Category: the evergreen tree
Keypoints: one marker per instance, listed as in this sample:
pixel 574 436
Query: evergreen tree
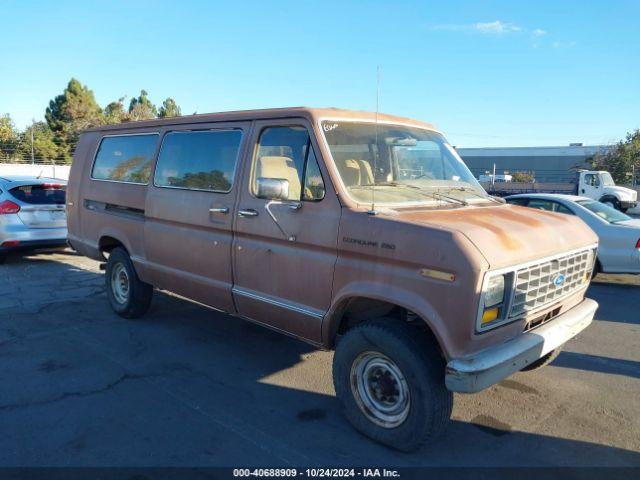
pixel 141 108
pixel 169 108
pixel 70 113
pixel 115 112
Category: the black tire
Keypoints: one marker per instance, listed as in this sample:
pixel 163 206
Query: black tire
pixel 137 299
pixel 543 361
pixel 597 268
pixel 614 202
pixel 418 359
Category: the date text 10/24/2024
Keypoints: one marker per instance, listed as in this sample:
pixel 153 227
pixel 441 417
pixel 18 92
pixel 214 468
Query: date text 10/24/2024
pixel 316 472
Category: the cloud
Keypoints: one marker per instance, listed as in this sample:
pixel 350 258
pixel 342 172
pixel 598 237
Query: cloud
pixel 538 32
pixel 496 28
pixel 485 28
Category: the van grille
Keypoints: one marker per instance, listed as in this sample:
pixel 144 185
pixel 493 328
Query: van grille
pixel 536 286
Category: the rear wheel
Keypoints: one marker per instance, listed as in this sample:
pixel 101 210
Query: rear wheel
pixel 390 380
pixel 128 295
pixel 543 361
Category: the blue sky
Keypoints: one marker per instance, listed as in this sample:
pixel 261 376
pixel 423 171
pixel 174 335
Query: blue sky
pixel 488 73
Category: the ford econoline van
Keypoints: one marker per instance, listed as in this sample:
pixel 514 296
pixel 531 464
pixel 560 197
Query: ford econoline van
pixel 352 231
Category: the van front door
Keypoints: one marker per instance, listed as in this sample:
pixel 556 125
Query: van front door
pixel 285 251
pixel 189 212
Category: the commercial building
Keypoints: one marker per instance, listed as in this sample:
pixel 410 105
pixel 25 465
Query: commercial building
pixel 548 164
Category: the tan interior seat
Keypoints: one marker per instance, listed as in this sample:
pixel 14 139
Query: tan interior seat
pixel 366 174
pixel 280 167
pixel 355 172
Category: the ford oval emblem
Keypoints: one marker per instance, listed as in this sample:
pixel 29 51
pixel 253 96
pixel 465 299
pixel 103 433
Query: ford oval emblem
pixel 558 280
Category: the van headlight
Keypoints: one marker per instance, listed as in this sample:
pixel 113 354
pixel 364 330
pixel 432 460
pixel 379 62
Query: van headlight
pixel 494 293
pixel 494 299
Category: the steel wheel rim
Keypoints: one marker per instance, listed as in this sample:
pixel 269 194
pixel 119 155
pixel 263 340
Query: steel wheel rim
pixel 120 285
pixel 380 389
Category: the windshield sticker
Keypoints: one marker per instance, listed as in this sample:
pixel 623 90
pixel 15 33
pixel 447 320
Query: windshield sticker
pixel 329 126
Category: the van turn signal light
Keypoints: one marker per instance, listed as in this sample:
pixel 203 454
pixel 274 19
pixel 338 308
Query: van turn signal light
pixel 490 315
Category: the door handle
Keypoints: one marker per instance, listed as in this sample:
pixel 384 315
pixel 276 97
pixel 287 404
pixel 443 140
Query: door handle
pixel 223 210
pixel 249 212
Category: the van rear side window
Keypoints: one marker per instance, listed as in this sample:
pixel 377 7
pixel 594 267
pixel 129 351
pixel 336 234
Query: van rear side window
pixel 198 160
pixel 125 158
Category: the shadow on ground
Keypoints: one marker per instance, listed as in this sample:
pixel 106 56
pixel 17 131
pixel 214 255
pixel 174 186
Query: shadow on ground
pixel 186 386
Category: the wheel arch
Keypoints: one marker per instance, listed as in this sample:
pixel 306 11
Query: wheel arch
pixel 110 239
pixel 609 197
pixel 355 305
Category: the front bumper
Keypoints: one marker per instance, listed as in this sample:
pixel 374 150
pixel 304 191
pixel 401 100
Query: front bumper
pixel 475 373
pixel 628 204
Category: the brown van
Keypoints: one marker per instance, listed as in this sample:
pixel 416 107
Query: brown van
pixel 349 230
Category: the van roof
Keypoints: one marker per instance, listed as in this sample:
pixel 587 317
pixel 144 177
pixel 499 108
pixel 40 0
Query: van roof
pixel 313 114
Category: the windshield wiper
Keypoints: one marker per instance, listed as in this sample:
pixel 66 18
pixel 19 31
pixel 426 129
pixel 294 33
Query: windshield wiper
pixel 447 197
pixel 474 192
pixel 432 195
pixel 382 184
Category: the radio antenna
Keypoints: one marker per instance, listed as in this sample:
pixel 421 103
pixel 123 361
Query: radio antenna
pixel 372 211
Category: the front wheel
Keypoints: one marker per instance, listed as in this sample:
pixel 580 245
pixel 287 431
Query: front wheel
pixel 390 380
pixel 128 295
pixel 612 202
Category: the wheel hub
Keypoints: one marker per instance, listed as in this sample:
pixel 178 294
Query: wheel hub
pixel 380 389
pixel 120 283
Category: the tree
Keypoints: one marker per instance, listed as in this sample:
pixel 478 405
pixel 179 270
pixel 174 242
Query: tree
pixel 115 113
pixel 44 145
pixel 620 160
pixel 8 137
pixel 169 108
pixel 70 113
pixel 523 177
pixel 141 108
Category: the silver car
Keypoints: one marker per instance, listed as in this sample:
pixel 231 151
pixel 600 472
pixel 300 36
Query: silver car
pixel 619 234
pixel 32 213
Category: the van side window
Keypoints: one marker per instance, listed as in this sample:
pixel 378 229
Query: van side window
pixel 286 153
pixel 125 158
pixel 198 160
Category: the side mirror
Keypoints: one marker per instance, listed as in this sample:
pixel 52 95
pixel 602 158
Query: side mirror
pixel 273 188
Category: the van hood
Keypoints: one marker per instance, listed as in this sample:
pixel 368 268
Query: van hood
pixel 622 193
pixel 508 235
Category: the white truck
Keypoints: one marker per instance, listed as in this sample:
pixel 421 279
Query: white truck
pixel 595 184
pixel 600 186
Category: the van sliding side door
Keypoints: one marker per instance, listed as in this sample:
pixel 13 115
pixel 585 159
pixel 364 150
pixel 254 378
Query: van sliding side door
pixel 190 211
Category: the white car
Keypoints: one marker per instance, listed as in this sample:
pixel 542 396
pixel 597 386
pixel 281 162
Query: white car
pixel 619 234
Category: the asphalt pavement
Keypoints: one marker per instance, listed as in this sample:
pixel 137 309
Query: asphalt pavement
pixel 187 386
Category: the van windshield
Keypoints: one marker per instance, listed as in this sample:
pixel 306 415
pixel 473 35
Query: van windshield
pixel 397 164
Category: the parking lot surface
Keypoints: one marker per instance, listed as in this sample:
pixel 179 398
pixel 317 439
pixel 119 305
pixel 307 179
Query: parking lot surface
pixel 187 386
